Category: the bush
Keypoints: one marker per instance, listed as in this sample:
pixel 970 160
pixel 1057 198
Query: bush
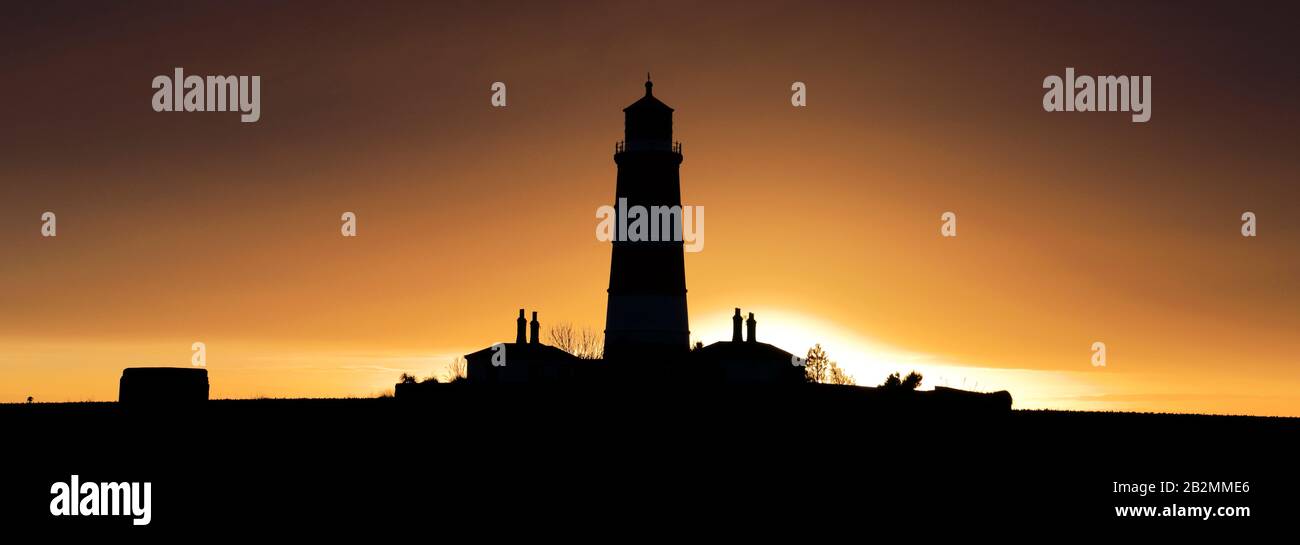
pixel 893 382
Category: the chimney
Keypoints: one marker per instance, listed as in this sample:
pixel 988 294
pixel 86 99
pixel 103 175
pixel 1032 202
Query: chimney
pixel 534 328
pixel 519 327
pixel 735 326
pixel 751 325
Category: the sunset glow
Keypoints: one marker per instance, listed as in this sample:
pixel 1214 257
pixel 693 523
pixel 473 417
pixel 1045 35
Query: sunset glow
pixel 823 221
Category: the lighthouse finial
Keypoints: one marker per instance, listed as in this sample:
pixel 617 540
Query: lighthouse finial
pixel 648 84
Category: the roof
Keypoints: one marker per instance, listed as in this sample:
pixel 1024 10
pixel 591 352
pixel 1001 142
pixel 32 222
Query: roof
pixel 742 350
pixel 525 350
pixel 157 372
pixel 648 102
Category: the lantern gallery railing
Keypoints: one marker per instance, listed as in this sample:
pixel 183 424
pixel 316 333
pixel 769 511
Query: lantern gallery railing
pixel 622 146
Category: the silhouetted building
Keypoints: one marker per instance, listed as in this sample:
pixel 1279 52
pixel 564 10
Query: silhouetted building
pixel 747 360
pixel 522 361
pixel 646 314
pixel 163 386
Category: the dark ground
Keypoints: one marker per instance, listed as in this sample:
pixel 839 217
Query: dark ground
pixel 764 463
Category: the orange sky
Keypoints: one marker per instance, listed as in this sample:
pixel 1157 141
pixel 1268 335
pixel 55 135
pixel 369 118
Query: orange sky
pixel 824 221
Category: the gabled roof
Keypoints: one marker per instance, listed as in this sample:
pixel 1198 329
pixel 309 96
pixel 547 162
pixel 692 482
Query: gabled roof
pixel 525 351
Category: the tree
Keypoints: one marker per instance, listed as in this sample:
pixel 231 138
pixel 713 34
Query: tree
pixel 585 343
pixel 839 376
pixel 406 378
pixel 815 364
pixel 455 370
pixel 819 368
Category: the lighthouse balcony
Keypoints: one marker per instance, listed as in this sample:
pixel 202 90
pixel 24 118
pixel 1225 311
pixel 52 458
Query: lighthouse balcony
pixel 651 145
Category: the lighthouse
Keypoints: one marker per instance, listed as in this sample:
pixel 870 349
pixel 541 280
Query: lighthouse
pixel 645 317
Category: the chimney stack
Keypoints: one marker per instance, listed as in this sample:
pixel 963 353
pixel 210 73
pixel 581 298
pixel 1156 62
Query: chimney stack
pixel 519 327
pixel 751 325
pixel 735 326
pixel 534 328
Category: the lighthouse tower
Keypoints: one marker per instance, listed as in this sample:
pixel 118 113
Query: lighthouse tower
pixel 646 315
